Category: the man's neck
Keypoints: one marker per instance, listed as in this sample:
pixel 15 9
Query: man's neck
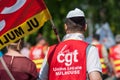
pixel 70 32
pixel 76 36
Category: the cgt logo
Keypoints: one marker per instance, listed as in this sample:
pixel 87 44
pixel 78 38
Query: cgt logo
pixel 8 10
pixel 67 57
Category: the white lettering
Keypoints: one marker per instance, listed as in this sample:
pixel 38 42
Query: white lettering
pixel 59 58
pixel 59 69
pixel 75 55
pixel 67 72
pixel 67 57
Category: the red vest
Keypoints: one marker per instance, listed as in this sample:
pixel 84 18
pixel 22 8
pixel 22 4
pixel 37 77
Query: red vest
pixel 115 56
pixel 102 60
pixel 67 61
pixel 37 56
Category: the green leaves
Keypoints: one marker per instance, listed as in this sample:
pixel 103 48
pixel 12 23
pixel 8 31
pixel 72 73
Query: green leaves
pixel 92 8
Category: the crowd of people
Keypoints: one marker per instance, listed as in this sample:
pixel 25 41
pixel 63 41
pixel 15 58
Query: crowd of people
pixel 71 59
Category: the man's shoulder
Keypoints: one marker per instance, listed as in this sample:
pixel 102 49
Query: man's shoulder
pixel 91 48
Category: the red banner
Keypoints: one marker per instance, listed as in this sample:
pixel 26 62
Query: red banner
pixel 20 17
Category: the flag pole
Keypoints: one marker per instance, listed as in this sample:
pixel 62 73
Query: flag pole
pixel 55 30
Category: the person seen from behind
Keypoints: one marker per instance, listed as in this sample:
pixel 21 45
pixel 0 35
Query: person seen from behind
pixel 37 52
pixel 73 58
pixel 115 58
pixel 26 49
pixel 20 66
pixel 103 54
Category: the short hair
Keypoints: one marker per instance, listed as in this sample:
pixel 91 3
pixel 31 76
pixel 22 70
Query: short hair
pixel 96 36
pixel 38 39
pixel 75 24
pixel 17 46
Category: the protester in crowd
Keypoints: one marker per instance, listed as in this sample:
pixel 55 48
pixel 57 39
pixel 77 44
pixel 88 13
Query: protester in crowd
pixel 37 52
pixel 26 49
pixel 20 67
pixel 103 29
pixel 72 58
pixel 103 54
pixel 115 58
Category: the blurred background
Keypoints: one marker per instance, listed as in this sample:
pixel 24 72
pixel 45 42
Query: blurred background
pixel 96 12
pixel 103 18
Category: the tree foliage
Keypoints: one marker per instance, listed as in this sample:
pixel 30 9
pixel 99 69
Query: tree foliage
pixel 59 9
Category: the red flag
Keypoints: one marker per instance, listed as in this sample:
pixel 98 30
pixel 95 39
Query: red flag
pixel 19 18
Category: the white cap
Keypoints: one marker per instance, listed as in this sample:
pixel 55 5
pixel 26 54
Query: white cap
pixel 75 13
